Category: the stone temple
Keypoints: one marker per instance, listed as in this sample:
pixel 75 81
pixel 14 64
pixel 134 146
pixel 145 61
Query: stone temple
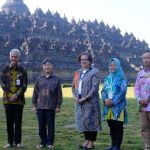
pixel 15 7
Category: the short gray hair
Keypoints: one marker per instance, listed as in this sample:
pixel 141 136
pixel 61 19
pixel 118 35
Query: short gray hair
pixel 16 51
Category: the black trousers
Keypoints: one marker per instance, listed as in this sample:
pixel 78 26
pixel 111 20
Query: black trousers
pixel 46 120
pixel 90 135
pixel 14 122
pixel 116 132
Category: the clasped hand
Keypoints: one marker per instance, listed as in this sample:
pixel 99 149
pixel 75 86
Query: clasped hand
pixel 13 97
pixel 108 102
pixel 143 102
pixel 81 100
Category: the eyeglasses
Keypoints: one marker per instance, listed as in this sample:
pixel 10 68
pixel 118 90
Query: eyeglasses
pixel 84 59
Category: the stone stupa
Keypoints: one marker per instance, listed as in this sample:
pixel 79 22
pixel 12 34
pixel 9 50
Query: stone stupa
pixel 15 7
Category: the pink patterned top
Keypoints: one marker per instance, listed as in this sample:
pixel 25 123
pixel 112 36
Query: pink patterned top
pixel 142 87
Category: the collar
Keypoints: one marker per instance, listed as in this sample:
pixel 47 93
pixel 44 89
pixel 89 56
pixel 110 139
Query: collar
pixel 44 75
pixel 85 69
pixel 11 66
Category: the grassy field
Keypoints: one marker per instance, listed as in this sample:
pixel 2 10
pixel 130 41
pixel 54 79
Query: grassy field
pixel 67 138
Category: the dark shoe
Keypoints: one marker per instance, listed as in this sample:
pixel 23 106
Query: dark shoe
pixel 110 148
pixel 86 148
pixel 115 148
pixel 81 147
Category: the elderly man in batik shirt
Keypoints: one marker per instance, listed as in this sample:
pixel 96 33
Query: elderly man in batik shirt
pixel 14 84
pixel 47 99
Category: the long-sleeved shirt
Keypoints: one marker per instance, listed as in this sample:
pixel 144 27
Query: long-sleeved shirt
pixel 118 98
pixel 14 81
pixel 142 87
pixel 47 93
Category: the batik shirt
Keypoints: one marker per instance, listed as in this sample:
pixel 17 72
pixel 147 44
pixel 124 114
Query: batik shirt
pixel 14 81
pixel 47 93
pixel 142 88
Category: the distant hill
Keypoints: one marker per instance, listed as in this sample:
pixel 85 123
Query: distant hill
pixel 40 35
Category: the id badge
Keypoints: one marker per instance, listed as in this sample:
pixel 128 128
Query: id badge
pixel 17 82
pixel 110 95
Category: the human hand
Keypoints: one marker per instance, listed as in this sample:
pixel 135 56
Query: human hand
pixel 143 102
pixel 82 100
pixel 57 110
pixel 108 102
pixel 13 98
pixel 34 109
pixel 76 99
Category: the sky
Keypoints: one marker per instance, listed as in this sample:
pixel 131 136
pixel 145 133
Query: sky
pixel 132 16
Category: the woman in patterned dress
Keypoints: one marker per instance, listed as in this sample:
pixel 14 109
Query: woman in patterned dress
pixel 87 102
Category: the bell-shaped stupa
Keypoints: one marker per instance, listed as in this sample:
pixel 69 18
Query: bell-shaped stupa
pixel 15 6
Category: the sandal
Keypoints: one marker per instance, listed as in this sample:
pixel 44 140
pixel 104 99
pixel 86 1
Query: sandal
pixel 39 146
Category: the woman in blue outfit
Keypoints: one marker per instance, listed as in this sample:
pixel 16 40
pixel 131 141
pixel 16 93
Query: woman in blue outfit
pixel 113 95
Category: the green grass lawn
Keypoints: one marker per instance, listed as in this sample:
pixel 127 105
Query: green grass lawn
pixel 67 138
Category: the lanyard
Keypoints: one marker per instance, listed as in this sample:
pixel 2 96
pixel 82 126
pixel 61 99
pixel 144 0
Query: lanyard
pixel 82 74
pixel 111 84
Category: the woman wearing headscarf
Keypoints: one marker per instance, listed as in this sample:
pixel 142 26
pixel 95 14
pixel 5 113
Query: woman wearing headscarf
pixel 113 95
pixel 87 102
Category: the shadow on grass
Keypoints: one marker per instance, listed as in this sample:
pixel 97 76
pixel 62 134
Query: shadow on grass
pixel 67 138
